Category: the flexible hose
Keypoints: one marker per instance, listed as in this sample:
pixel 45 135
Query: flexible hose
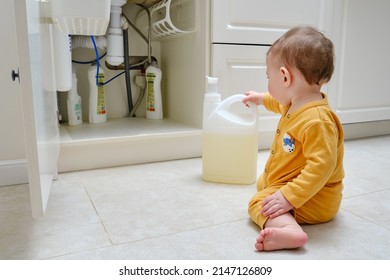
pixel 127 69
pixel 139 100
pixel 149 39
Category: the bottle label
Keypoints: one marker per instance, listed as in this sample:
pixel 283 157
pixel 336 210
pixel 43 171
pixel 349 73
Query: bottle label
pixel 77 109
pixel 150 102
pixel 101 102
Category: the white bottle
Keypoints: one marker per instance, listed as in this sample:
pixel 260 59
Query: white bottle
pixel 229 143
pixel 75 116
pixel 97 99
pixel 211 98
pixel 153 92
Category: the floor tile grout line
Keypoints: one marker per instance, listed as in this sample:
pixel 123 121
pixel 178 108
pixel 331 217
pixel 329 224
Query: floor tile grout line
pixel 96 211
pixel 144 239
pixel 363 194
pixel 178 232
pixel 364 218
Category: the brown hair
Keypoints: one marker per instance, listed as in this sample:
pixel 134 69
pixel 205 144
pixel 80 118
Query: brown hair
pixel 308 50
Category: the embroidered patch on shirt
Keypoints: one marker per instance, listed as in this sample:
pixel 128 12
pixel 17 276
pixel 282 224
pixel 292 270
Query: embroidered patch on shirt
pixel 288 143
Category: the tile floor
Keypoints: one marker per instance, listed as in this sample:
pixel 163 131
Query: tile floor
pixel 165 211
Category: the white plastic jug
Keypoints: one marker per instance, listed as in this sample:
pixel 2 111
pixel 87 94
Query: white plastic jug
pixel 229 152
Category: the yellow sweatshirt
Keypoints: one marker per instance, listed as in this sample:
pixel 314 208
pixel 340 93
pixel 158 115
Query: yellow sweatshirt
pixel 305 162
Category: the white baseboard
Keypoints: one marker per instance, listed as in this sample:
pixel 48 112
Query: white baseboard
pixel 366 129
pixel 13 172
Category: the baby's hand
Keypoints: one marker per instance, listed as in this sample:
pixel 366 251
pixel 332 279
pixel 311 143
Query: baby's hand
pixel 275 205
pixel 254 97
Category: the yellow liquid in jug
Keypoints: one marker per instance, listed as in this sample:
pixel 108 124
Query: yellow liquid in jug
pixel 229 159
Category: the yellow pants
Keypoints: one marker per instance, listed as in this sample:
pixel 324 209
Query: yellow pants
pixel 321 208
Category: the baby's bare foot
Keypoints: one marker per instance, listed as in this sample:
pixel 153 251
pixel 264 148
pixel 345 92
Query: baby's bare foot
pixel 280 238
pixel 259 241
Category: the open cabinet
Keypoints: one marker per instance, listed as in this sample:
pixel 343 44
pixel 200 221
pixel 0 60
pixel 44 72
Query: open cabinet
pixel 124 140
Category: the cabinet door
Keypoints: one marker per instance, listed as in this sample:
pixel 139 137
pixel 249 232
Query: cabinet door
pixel 243 68
pixel 39 100
pixel 263 21
pixel 360 89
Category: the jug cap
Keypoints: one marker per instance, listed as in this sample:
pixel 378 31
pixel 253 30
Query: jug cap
pixel 212 84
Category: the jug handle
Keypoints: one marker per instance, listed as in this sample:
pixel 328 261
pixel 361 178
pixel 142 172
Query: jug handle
pixel 235 99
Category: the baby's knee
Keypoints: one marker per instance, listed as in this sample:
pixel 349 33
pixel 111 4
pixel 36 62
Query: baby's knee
pixel 254 204
pixel 257 200
pixel 254 211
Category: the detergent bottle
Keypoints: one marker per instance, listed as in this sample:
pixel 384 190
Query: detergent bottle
pixel 75 116
pixel 97 99
pixel 229 143
pixel 154 108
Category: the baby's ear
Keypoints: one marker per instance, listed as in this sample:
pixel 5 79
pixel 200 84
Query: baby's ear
pixel 286 75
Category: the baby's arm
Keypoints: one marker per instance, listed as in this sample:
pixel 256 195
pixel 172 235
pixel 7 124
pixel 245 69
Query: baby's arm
pixel 254 97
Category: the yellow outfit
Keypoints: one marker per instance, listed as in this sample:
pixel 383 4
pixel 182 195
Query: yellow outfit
pixel 305 163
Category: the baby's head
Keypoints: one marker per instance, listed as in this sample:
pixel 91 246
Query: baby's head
pixel 306 49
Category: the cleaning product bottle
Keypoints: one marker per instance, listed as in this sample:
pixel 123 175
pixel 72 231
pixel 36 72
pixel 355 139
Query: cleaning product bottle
pixel 75 116
pixel 211 98
pixel 229 143
pixel 153 92
pixel 97 99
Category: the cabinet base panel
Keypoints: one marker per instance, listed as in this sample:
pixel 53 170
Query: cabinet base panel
pixel 126 141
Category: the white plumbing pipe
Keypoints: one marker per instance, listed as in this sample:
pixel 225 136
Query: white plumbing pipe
pixel 114 36
pixel 62 60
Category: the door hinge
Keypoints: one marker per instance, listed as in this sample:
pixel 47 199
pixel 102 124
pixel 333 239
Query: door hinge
pixel 59 117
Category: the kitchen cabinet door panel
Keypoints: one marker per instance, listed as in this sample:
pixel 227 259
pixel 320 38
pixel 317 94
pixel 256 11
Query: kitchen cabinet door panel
pixel 262 21
pixel 39 100
pixel 243 68
pixel 361 87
